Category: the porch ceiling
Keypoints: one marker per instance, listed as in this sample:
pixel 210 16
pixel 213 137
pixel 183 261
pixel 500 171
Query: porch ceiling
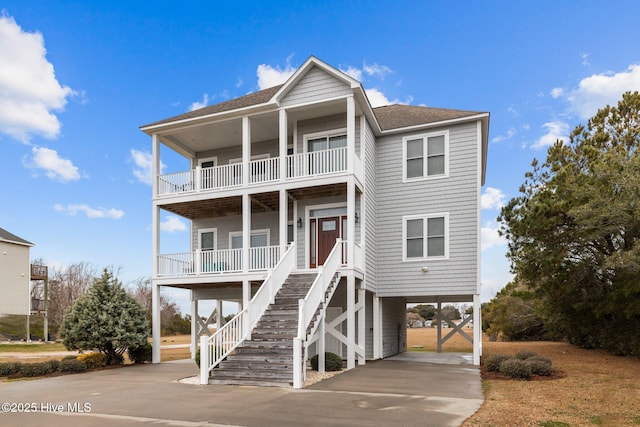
pixel 319 191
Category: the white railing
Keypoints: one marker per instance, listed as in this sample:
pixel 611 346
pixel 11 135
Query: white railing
pixel 217 261
pixel 226 339
pixel 264 170
pixel 220 261
pixel 264 257
pixel 220 176
pixel 179 182
pixel 307 312
pixel 317 163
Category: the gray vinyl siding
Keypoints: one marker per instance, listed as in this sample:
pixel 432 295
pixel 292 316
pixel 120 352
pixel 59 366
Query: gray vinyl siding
pixel 316 85
pixel 393 318
pixel 456 195
pixel 225 154
pixel 370 206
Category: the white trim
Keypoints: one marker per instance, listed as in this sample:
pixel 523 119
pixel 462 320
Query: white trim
pixel 208 230
pixel 266 231
pixel 424 217
pixel 478 210
pixel 305 226
pixel 213 159
pixel 316 135
pixel 425 139
pixel 434 124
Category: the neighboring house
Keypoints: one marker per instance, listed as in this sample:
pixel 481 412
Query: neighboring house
pixel 361 209
pixel 15 274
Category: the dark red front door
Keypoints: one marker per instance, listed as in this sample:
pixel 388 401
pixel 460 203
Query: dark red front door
pixel 328 230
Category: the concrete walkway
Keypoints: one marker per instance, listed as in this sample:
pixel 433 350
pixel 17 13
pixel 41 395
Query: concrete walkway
pixel 383 393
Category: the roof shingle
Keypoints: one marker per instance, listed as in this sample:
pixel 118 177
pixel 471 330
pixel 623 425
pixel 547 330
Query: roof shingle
pixel 9 237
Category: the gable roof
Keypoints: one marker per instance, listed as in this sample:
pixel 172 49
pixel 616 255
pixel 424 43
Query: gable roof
pixel 398 116
pixel 5 236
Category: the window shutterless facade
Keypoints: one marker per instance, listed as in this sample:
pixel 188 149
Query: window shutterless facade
pixel 425 156
pixel 425 237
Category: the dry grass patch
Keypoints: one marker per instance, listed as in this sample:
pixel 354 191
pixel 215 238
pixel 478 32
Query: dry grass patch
pixel 425 339
pixel 595 388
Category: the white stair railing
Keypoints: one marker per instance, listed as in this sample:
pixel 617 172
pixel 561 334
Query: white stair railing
pixel 226 339
pixel 308 306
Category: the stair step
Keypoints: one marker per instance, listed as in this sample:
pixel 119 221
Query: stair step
pixel 230 365
pixel 227 373
pixel 255 382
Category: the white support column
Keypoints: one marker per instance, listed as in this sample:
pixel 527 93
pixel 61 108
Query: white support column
pixel 246 231
pixel 194 326
pixel 351 321
pixel 220 316
pixel 351 133
pixel 439 317
pixel 155 163
pixel 321 343
pixel 351 221
pixel 377 332
pixel 295 232
pixel 284 212
pixel 477 330
pixel 246 293
pixel 362 301
pixel 246 149
pixel 283 144
pixel 155 322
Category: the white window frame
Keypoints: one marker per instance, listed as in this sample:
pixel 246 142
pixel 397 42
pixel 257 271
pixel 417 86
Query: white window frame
pixel 254 157
pixel 215 237
pixel 316 135
pixel 425 138
pixel 266 231
pixel 425 235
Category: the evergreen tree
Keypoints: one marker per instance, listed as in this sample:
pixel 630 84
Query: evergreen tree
pixel 107 319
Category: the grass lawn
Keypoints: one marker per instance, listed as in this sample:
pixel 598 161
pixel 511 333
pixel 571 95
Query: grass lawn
pixel 31 348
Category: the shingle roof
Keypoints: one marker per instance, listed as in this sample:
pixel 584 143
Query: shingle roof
pixel 8 237
pixel 249 100
pixel 400 116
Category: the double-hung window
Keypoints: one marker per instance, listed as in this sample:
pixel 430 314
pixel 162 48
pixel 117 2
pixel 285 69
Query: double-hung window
pixel 425 237
pixel 425 156
pixel 323 151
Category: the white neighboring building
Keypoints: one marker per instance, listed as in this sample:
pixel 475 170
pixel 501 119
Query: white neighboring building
pixel 15 274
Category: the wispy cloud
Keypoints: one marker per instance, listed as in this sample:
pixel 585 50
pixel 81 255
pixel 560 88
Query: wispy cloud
pixel 510 133
pixel 489 236
pixel 172 224
pixel 29 91
pixel 556 129
pixel 54 166
pixel 90 212
pixel 269 75
pixel 142 165
pixel 380 71
pixel 200 104
pixel 492 198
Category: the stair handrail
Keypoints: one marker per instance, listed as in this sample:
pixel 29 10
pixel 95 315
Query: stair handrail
pixel 309 305
pixel 226 339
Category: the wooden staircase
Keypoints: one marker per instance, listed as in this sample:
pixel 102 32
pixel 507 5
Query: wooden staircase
pixel 267 359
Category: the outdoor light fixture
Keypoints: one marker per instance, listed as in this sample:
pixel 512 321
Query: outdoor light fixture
pixel 425 269
pixel 299 222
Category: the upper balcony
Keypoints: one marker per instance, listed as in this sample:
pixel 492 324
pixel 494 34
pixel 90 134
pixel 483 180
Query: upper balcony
pixel 298 167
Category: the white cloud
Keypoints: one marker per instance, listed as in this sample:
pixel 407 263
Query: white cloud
pixel 353 72
pixel 489 236
pixel 200 104
pixel 54 166
pixel 596 91
pixel 380 71
pixel 493 198
pixel 90 212
pixel 556 129
pixel 269 76
pixel 585 59
pixel 556 92
pixel 172 224
pixel 142 165
pixel 378 99
pixel 29 91
pixel 510 133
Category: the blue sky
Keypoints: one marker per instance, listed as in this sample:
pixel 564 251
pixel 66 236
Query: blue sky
pixel 78 78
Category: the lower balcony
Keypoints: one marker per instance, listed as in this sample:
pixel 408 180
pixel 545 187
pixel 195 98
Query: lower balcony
pixel 205 262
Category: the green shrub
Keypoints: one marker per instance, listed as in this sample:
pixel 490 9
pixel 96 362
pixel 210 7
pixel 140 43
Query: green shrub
pixel 9 368
pixel 332 362
pixel 516 368
pixel 492 363
pixel 540 366
pixel 72 365
pixel 35 369
pixel 140 354
pixel 524 355
pixel 70 357
pixel 54 365
pixel 93 360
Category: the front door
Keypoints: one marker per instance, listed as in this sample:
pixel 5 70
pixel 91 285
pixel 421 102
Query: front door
pixel 324 232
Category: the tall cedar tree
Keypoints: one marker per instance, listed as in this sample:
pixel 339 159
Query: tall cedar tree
pixel 574 232
pixel 107 319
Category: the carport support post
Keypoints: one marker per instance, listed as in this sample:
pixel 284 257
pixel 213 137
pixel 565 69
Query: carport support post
pixel 438 316
pixel 220 318
pixel 362 302
pixel 194 326
pixel 477 330
pixel 155 322
pixel 351 320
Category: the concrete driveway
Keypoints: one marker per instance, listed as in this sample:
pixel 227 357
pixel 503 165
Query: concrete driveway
pixel 410 391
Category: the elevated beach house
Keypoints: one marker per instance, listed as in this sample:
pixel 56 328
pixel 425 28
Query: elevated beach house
pixel 322 217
